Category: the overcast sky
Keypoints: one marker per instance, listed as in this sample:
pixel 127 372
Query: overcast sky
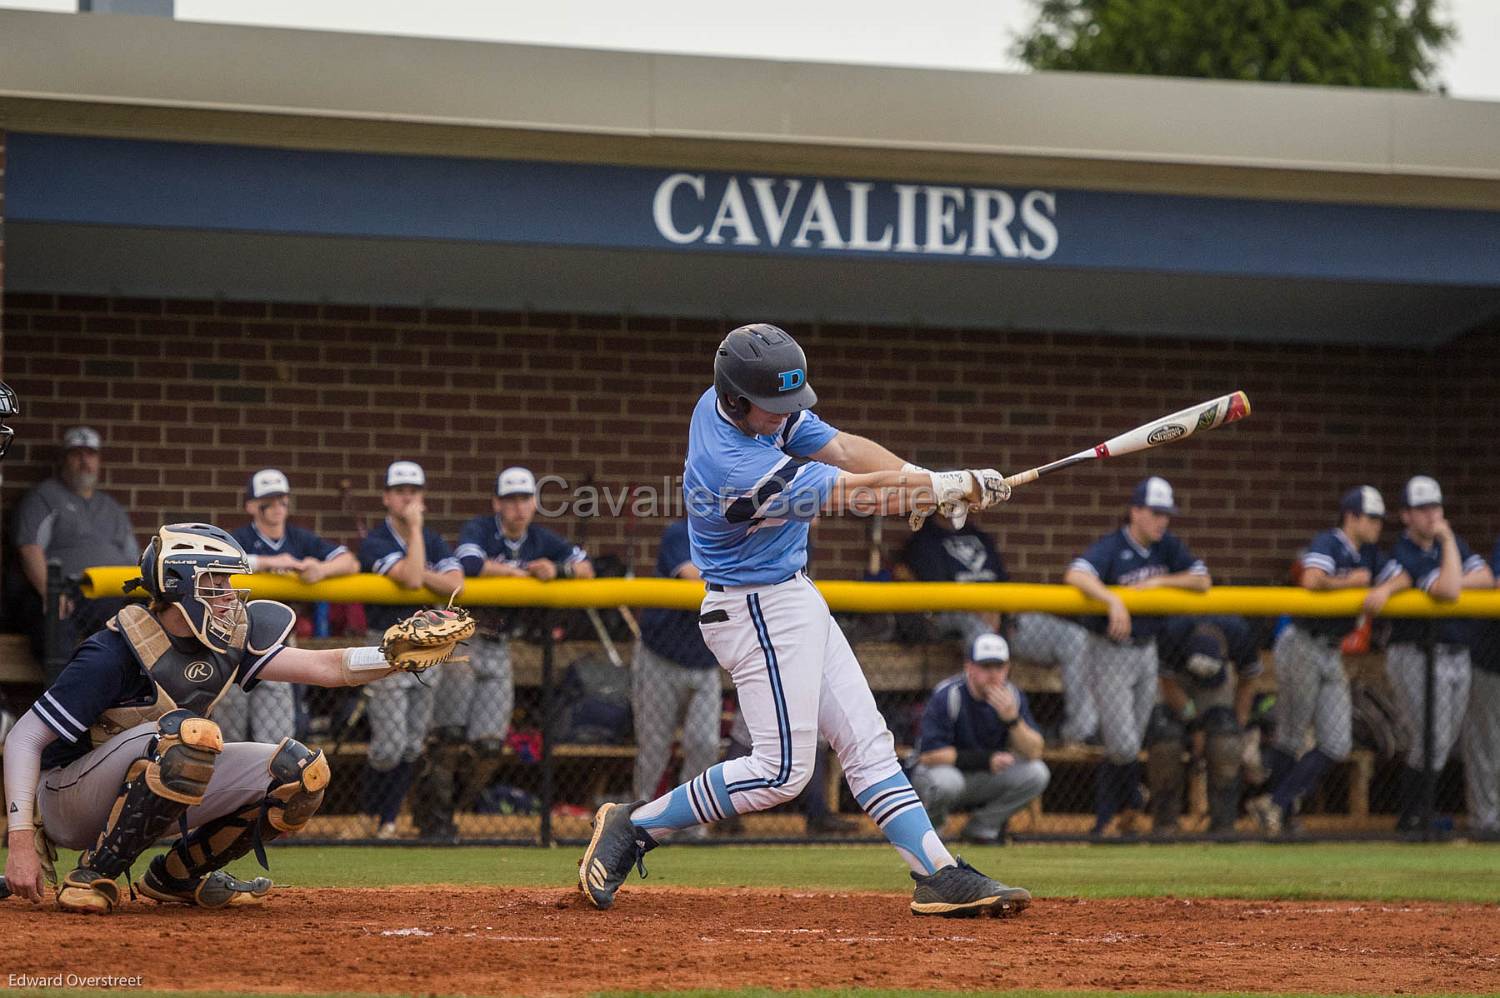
pixel 960 34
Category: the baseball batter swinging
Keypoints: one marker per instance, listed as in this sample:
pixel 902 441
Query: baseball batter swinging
pixel 125 752
pixel 760 466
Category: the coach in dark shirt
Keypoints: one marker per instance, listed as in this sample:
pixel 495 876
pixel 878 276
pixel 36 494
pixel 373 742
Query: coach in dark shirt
pixel 979 746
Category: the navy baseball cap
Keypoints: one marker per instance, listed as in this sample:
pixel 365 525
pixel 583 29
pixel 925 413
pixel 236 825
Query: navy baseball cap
pixel 1155 493
pixel 989 649
pixel 405 473
pixel 268 482
pixel 1423 491
pixel 515 482
pixel 1364 500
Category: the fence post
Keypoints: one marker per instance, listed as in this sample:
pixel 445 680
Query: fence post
pixel 56 650
pixel 1429 680
pixel 549 725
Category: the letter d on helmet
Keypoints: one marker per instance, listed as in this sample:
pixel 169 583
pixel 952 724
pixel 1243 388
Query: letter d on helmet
pixel 761 363
pixel 175 567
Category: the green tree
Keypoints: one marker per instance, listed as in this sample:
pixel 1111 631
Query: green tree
pixel 1359 43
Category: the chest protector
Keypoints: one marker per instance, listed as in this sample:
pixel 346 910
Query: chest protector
pixel 194 680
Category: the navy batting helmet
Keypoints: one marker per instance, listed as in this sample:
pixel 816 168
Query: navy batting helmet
pixel 761 363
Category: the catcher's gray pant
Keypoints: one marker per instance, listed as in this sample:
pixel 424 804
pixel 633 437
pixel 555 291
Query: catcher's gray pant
pixel 267 713
pixel 1406 667
pixel 400 713
pixel 1048 640
pixel 1482 752
pixel 1311 689
pixel 477 696
pixel 662 694
pixel 1123 680
pixel 994 796
pixel 75 800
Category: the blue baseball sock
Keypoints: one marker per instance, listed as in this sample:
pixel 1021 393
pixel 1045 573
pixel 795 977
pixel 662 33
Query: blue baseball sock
pixel 1302 779
pixel 700 801
pixel 899 812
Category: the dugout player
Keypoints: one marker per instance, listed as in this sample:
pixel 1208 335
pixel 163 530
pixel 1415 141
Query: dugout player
pixel 1482 729
pixel 1312 689
pixel 413 555
pixel 760 466
pixel 126 753
pixel 1431 557
pixel 674 679
pixel 943 551
pixel 472 702
pixel 273 545
pixel 1120 660
pixel 979 747
pixel 1207 666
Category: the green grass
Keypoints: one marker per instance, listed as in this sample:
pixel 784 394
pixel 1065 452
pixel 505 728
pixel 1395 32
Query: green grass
pixel 1353 871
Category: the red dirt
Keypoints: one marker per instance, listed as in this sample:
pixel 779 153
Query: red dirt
pixel 549 942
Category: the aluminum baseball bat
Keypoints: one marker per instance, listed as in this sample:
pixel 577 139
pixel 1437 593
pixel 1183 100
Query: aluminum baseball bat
pixel 1165 429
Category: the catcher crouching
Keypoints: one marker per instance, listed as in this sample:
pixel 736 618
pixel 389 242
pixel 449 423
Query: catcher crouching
pixel 121 750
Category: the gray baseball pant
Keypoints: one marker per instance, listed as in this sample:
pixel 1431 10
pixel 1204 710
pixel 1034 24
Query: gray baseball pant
pixel 1482 752
pixel 267 713
pixel 1048 640
pixel 1123 680
pixel 400 713
pixel 1311 689
pixel 477 696
pixel 662 694
pixel 1406 667
pixel 75 800
pixel 993 796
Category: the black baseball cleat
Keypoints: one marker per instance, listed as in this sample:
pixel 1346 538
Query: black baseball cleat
pixel 960 891
pixel 215 890
pixel 617 846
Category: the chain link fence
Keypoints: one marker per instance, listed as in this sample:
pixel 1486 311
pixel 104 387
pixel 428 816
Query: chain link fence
pixel 1232 727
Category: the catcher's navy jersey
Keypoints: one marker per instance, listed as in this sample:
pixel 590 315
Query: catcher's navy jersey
pixel 750 499
pixel 482 540
pixel 1335 555
pixel 1422 567
pixel 294 541
pixel 102 675
pixel 1119 561
pixel 380 551
pixel 674 634
pixel 953 718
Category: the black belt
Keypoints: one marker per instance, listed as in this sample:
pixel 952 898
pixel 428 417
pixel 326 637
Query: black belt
pixel 714 587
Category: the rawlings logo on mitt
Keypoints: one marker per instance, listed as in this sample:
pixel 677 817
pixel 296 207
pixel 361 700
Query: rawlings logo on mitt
pixel 426 638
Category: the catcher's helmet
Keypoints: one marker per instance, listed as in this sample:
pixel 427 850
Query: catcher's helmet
pixel 172 570
pixel 9 406
pixel 761 363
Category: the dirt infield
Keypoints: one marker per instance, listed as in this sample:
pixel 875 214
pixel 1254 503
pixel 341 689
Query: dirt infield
pixel 509 941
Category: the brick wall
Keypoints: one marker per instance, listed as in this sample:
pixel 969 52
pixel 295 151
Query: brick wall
pixel 191 396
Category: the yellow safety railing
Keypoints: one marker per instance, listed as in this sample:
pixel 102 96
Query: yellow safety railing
pixel 862 597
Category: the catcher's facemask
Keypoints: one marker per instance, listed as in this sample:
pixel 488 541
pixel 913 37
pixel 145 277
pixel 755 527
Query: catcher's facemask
pixel 188 565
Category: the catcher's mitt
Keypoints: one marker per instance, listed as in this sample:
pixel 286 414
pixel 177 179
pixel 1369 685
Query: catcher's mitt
pixel 426 638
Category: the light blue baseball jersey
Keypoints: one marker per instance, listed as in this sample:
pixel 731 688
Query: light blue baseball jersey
pixel 750 499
